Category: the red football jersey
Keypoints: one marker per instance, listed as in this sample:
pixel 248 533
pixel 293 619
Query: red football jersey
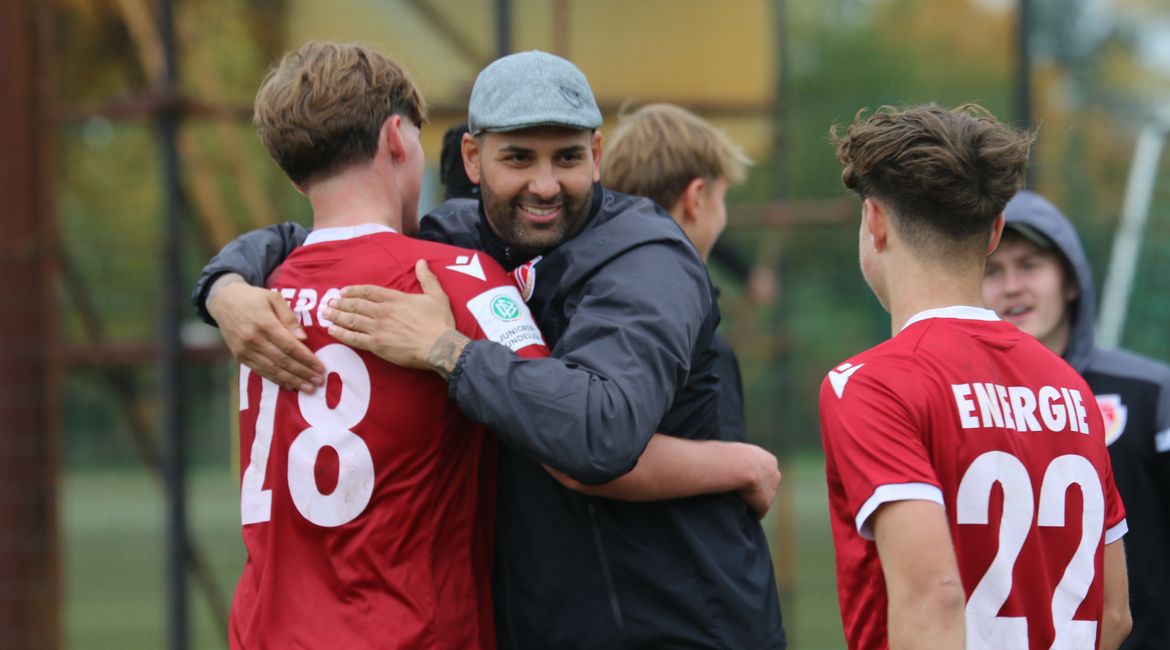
pixel 368 505
pixel 964 410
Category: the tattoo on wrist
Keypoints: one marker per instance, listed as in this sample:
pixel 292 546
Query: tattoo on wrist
pixel 445 352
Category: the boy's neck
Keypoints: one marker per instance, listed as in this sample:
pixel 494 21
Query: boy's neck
pixel 920 287
pixel 352 198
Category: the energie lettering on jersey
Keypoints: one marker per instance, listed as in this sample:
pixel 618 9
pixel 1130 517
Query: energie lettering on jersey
pixel 982 405
pixel 368 506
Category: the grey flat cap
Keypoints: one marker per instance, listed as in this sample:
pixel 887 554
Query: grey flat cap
pixel 530 89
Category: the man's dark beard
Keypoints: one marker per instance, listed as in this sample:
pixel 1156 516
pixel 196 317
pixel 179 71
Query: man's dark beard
pixel 504 221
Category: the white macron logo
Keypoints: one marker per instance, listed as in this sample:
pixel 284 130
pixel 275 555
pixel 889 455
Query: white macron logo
pixel 839 376
pixel 472 267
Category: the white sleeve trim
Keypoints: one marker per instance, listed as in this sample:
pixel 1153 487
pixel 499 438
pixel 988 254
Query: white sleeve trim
pixel 894 492
pixel 1117 532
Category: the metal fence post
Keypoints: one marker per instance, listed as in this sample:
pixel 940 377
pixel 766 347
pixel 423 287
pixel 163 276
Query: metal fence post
pixel 171 353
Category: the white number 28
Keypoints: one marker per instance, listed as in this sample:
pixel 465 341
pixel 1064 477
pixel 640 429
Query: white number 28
pixel 985 628
pixel 328 427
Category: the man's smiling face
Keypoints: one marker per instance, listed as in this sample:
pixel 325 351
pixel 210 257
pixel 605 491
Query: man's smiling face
pixel 537 183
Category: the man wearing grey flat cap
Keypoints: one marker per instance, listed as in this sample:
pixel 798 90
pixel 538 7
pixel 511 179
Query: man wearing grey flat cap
pixel 667 555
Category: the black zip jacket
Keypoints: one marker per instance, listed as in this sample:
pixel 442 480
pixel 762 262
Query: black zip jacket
pixel 628 311
pixel 732 422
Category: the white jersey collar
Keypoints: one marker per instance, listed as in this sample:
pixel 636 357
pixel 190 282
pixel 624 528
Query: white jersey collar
pixel 964 312
pixel 346 232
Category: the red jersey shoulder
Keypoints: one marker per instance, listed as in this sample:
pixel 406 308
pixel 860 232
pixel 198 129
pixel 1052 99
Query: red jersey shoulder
pixel 461 271
pixel 484 298
pixel 360 260
pixel 885 363
pixel 314 275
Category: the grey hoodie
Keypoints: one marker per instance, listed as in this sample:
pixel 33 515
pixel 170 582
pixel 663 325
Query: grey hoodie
pixel 1134 393
pixel 1032 210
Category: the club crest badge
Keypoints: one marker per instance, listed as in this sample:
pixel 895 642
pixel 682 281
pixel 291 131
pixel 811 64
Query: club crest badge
pixel 525 277
pixel 1114 412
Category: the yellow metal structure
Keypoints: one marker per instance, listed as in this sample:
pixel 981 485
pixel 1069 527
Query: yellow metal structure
pixel 716 58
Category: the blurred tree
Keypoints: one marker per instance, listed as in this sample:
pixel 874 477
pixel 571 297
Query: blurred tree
pixel 847 55
pixel 108 170
pixel 1095 79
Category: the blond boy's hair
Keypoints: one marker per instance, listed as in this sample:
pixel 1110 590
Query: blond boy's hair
pixel 657 151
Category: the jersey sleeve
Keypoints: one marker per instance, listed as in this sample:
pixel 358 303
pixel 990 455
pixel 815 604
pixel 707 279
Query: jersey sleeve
pixel 1115 524
pixel 490 308
pixel 873 440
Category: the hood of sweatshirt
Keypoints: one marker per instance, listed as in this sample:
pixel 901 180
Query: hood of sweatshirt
pixel 1030 210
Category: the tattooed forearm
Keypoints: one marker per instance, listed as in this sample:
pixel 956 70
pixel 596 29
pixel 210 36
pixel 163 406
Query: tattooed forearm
pixel 445 352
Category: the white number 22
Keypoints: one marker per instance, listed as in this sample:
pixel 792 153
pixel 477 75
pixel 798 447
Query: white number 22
pixel 985 628
pixel 328 427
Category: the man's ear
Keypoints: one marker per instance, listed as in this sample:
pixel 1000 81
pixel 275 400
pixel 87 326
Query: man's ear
pixel 877 222
pixel 996 234
pixel 391 136
pixel 596 146
pixel 470 149
pixel 689 202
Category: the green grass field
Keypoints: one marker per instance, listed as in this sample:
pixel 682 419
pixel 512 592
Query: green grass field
pixel 115 577
pixel 115 582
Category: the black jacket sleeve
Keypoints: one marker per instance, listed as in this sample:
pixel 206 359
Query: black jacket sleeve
pixel 591 408
pixel 253 255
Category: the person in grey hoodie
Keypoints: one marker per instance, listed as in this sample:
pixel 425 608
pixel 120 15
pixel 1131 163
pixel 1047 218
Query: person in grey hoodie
pixel 1039 279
